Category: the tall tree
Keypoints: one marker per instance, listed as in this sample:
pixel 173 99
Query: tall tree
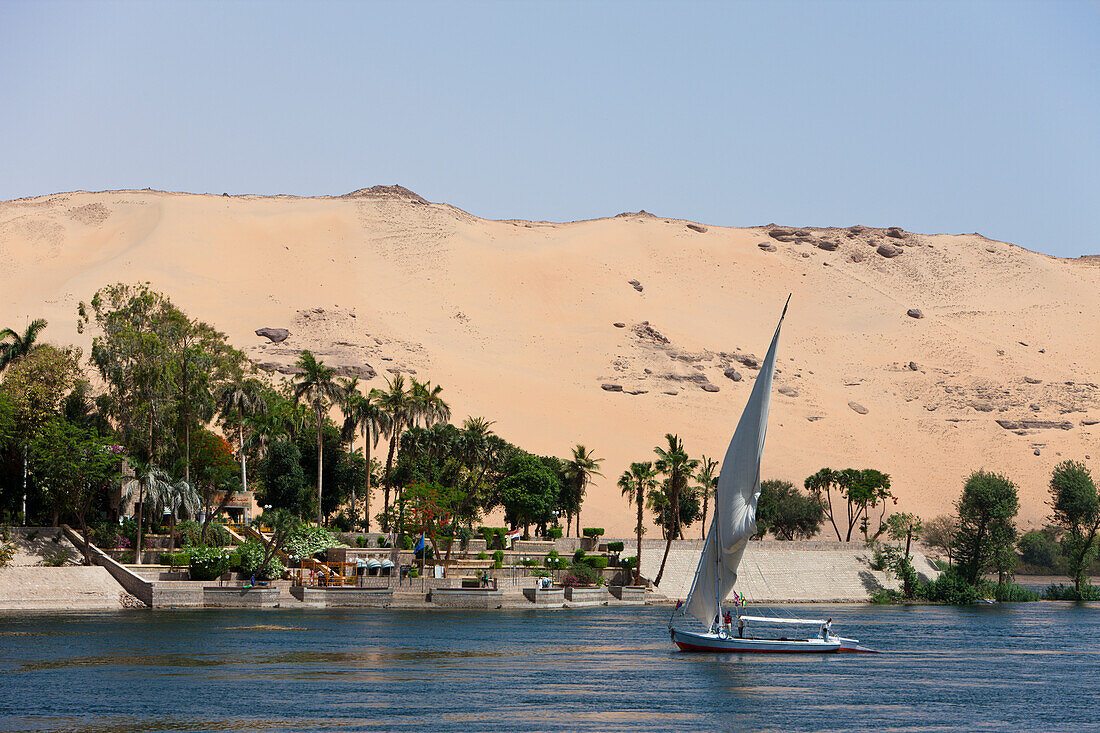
pixel 677 467
pixel 820 485
pixel 636 484
pixel 786 512
pixel 132 355
pixel 579 471
pixel 362 415
pixel 1076 510
pixel 148 479
pixel 78 467
pixel 398 405
pixel 14 345
pixel 707 481
pixel 316 386
pixel 238 399
pixel 986 532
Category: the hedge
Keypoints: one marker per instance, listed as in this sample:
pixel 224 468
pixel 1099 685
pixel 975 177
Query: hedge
pixel 592 532
pixel 208 563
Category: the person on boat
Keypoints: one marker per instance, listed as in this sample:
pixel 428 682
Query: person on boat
pixel 826 628
pixel 727 621
pixel 740 628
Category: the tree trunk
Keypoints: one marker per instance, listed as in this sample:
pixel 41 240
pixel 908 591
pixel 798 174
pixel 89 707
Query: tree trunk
pixel 244 468
pixel 319 459
pixel 366 492
pixel 703 526
pixel 140 508
pixel 394 437
pixel 638 567
pixel 671 533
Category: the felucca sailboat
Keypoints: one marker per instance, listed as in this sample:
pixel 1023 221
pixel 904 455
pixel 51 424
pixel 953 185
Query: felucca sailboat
pixel 733 524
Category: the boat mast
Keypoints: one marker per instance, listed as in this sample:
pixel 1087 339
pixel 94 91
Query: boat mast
pixel 717 559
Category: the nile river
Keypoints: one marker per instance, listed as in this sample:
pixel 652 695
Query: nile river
pixel 1030 667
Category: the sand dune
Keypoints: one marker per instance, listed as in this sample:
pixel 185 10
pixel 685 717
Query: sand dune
pixel 519 322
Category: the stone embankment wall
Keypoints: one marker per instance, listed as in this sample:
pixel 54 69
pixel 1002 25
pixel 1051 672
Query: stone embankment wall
pixel 774 571
pixel 71 588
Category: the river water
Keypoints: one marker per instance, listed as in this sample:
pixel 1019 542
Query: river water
pixel 1033 667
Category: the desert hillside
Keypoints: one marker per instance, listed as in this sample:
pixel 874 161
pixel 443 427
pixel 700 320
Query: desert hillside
pixel 613 332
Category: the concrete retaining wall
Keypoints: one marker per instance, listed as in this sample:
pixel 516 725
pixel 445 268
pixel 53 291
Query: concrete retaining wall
pixel 134 585
pixel 467 597
pixel 545 596
pixel 71 588
pixel 589 596
pixel 629 593
pixel 344 597
pixel 230 597
pixel 785 571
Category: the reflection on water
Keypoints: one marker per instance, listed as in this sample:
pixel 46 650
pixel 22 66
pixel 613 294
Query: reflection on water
pixel 1006 667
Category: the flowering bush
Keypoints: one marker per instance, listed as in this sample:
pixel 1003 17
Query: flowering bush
pixel 307 541
pixel 252 554
pixel 207 563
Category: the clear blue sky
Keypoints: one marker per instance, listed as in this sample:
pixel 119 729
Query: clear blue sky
pixel 932 116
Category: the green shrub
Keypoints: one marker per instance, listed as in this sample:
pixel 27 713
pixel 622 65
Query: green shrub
pixel 361 541
pixel 578 556
pixel 1069 593
pixel 950 588
pixel 582 574
pixel 498 559
pixel 615 546
pixel 382 542
pixel 482 556
pixel 599 562
pixel 554 561
pixel 540 573
pixel 308 541
pixel 554 533
pixel 57 558
pixel 179 559
pixel 1012 593
pixel 208 563
pixel 498 536
pixel 529 562
pixel 414 573
pixel 592 532
pixel 252 555
pixel 885 596
pixel 234 560
pixel 487 535
pixel 7 552
pixel 628 563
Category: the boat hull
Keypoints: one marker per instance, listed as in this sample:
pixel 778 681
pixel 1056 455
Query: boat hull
pixel 690 641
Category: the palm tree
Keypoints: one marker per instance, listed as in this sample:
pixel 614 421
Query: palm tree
pixel 398 405
pixel 636 485
pixel 315 385
pixel 19 345
pixel 579 471
pixel 363 414
pixel 429 408
pixel 241 398
pixel 708 485
pixel 171 498
pixel 677 468
pixel 148 480
pixel 821 483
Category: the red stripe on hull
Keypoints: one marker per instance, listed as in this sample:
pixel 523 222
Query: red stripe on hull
pixel 693 648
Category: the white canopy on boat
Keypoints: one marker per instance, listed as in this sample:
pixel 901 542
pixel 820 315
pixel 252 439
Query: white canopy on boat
pixel 735 504
pixel 774 620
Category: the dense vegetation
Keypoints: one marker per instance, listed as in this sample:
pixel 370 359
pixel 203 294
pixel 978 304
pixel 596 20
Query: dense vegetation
pixel 184 415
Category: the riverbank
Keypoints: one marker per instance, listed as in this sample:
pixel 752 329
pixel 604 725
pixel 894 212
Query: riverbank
pixel 771 572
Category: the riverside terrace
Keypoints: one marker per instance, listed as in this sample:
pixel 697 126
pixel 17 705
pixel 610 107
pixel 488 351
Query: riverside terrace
pixel 774 572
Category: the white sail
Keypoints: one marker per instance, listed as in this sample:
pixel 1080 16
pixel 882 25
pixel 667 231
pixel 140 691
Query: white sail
pixel 735 505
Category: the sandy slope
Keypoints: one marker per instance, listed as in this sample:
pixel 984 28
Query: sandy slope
pixel 516 321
